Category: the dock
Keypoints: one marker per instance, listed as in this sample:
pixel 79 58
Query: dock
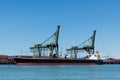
pixel 112 61
pixel 4 59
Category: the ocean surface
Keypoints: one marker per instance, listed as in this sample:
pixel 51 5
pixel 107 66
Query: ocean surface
pixel 60 72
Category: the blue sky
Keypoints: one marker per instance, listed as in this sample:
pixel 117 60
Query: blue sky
pixel 24 23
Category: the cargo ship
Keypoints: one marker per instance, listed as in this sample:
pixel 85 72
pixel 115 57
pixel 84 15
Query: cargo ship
pixel 47 53
pixel 47 61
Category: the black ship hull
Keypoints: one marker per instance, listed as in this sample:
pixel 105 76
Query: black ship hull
pixel 32 61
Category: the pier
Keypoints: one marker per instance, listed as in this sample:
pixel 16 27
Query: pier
pixel 4 59
pixel 10 61
pixel 112 61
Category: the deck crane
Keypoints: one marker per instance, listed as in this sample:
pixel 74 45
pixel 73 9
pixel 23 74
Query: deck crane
pixel 50 44
pixel 89 48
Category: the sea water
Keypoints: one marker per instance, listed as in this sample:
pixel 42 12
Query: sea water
pixel 60 72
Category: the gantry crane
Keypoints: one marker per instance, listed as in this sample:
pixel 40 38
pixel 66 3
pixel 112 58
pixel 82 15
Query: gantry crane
pixel 89 48
pixel 50 44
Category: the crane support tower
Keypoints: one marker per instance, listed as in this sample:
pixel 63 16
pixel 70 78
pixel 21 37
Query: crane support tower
pixel 49 45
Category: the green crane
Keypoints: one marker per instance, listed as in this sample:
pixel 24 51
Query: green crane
pixel 51 43
pixel 89 48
